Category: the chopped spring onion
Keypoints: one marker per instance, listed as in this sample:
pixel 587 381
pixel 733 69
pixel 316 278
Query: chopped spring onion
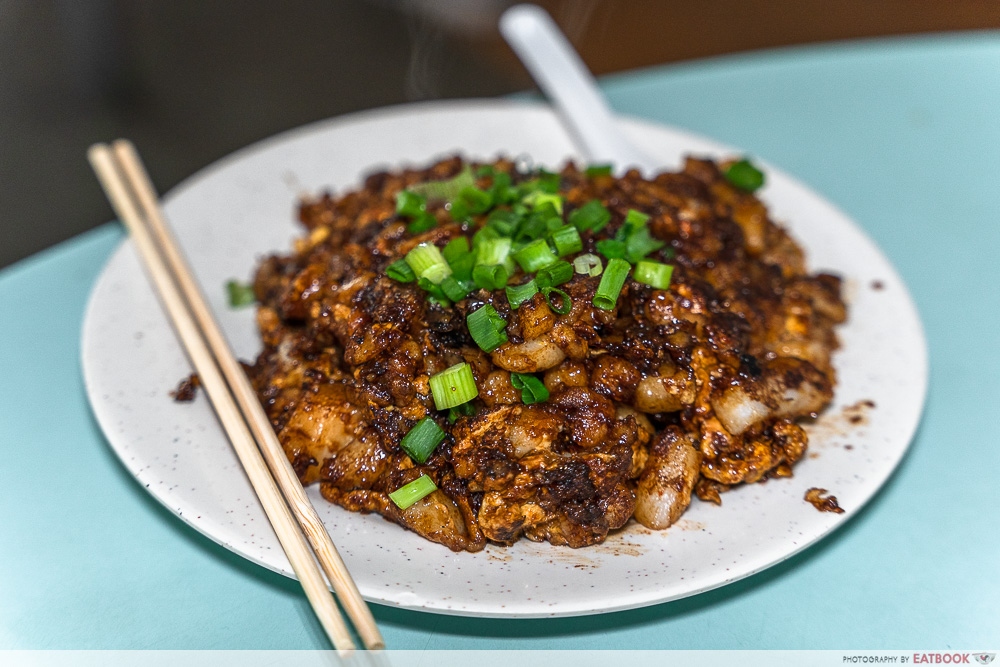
pixel 454 289
pixel 470 201
pixel 504 221
pixel 240 294
pixel 536 255
pixel 558 300
pixel 588 265
pixel 435 292
pixel 461 268
pixel 501 191
pixel 421 224
pixel 611 249
pixel 427 262
pixel 453 386
pixel 456 247
pixel 654 274
pixel 400 271
pixel 640 243
pixel 532 389
pixel 553 223
pixel 531 228
pixel 483 235
pixel 492 276
pixel 518 294
pixel 611 284
pixel 744 175
pixel 554 274
pixel 566 239
pixel 493 251
pixel 463 410
pixel 548 181
pixel 422 440
pixel 459 258
pixel 598 170
pixel 410 204
pixel 488 329
pixel 410 493
pixel 634 221
pixel 591 215
pixel 538 200
pixel 447 189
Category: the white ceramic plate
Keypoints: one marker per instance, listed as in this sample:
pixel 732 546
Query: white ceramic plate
pixel 242 207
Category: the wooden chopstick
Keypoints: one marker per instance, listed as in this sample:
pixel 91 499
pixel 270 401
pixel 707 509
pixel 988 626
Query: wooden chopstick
pixel 127 186
pixel 326 553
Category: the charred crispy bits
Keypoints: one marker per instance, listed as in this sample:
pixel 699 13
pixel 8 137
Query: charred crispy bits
pixel 690 389
pixel 814 496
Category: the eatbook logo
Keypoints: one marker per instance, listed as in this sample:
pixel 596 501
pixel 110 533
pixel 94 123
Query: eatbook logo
pixel 984 658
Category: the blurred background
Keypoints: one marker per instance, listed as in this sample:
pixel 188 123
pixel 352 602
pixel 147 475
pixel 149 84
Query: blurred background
pixel 192 80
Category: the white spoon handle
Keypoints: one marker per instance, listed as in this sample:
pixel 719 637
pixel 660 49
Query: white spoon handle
pixel 565 80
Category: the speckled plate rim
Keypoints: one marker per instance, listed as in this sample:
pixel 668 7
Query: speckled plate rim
pixel 121 302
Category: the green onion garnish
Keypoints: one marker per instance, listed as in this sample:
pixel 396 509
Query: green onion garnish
pixel 459 258
pixel 240 294
pixel 588 265
pixel 491 277
pixel 532 389
pixel 422 440
pixel 435 292
pixel 421 224
pixel 470 201
pixel 567 240
pixel 591 215
pixel 598 170
pixel 611 284
pixel 501 190
pixel 410 493
pixel 611 249
pixel 447 189
pixel 456 247
pixel 518 294
pixel 744 175
pixel 654 274
pixel 505 222
pixel 453 289
pixel 493 251
pixel 536 255
pixel 483 235
pixel 640 243
pixel 453 386
pixel 558 300
pixel 538 200
pixel 634 220
pixel 463 410
pixel 531 228
pixel 488 329
pixel 427 262
pixel 554 274
pixel 548 181
pixel 410 204
pixel 400 271
pixel 553 223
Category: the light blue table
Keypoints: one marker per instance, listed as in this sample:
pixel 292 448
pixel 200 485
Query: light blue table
pixel 901 134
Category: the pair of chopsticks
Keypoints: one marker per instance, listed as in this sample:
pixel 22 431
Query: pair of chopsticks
pixel 134 199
